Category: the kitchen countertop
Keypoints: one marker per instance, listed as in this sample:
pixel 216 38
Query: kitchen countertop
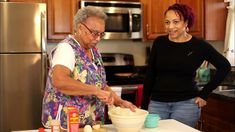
pixel 169 125
pixel 228 95
pixel 225 95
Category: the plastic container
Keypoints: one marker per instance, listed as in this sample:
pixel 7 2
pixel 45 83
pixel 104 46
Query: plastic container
pixel 151 121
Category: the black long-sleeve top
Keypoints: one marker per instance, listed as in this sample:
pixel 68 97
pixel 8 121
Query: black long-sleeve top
pixel 172 69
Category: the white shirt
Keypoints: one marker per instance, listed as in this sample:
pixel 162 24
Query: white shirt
pixel 64 55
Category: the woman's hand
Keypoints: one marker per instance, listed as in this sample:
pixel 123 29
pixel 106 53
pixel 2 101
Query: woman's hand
pixel 126 104
pixel 105 96
pixel 118 101
pixel 200 102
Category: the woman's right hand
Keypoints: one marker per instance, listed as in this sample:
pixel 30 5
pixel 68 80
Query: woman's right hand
pixel 105 96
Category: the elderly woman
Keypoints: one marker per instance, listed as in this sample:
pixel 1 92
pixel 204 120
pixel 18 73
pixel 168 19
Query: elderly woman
pixel 77 76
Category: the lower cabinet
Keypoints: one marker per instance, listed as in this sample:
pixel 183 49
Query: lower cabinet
pixel 217 116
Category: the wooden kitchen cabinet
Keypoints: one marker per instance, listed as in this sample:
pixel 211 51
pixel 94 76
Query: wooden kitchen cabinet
pixel 120 0
pixel 29 1
pixel 154 17
pixel 217 116
pixel 60 15
pixel 215 19
pixel 153 21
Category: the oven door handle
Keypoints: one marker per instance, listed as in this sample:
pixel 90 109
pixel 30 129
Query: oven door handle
pixel 130 23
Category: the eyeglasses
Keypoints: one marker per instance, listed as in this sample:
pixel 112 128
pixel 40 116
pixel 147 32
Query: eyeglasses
pixel 95 34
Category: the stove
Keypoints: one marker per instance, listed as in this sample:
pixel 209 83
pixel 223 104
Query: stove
pixel 120 69
pixel 121 73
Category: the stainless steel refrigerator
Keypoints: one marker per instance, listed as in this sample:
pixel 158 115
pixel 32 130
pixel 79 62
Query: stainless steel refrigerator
pixel 22 65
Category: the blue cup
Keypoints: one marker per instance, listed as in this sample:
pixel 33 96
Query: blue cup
pixel 151 121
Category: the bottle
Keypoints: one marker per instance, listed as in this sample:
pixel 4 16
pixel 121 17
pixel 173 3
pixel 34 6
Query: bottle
pixel 55 126
pixel 41 129
pixel 72 119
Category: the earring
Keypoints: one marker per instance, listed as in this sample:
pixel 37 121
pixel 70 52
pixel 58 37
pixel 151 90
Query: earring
pixel 187 29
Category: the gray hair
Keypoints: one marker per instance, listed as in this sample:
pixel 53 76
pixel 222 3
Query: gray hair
pixel 88 11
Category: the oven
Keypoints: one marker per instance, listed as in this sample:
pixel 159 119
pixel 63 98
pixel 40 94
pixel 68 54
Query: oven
pixel 121 73
pixel 123 77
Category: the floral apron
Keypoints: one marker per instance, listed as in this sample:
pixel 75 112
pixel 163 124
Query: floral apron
pixel 90 108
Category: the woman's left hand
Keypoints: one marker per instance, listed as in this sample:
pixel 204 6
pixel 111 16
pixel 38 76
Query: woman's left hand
pixel 201 102
pixel 118 101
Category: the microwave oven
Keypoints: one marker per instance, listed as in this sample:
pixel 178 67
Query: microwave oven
pixel 124 18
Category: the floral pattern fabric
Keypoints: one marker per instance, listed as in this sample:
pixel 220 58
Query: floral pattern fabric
pixel 90 108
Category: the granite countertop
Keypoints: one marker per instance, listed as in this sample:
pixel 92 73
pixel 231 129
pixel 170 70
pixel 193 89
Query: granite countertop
pixel 228 95
pixel 225 95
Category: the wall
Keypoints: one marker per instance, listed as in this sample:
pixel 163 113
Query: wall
pixel 136 48
pixel 218 45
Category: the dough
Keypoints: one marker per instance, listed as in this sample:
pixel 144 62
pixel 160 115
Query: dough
pixel 96 127
pixel 87 128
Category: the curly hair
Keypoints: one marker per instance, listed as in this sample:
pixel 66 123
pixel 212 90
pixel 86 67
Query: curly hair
pixel 88 11
pixel 184 12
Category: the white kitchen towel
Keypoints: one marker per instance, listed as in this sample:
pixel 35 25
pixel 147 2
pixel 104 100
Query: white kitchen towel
pixel 229 46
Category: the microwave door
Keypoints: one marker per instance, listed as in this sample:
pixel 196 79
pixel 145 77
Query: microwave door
pixel 117 26
pixel 125 24
pixel 124 18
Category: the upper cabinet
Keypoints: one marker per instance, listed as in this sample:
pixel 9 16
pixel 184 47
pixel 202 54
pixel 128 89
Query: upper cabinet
pixel 119 0
pixel 215 19
pixel 210 20
pixel 60 18
pixel 29 1
pixel 154 17
pixel 198 9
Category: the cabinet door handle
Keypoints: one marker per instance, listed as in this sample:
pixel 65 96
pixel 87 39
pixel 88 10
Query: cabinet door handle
pixel 147 29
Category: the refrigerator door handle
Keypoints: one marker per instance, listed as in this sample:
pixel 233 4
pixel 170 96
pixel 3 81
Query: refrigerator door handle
pixel 43 45
pixel 43 31
pixel 44 71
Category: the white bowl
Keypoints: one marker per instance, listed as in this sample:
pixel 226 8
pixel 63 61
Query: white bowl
pixel 125 120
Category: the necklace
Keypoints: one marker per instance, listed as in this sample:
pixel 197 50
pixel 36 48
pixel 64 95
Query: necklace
pixel 183 38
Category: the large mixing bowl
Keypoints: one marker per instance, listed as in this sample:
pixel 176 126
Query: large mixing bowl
pixel 125 120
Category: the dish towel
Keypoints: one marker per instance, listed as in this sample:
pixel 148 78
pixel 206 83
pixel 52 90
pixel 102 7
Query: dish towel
pixel 138 96
pixel 229 46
